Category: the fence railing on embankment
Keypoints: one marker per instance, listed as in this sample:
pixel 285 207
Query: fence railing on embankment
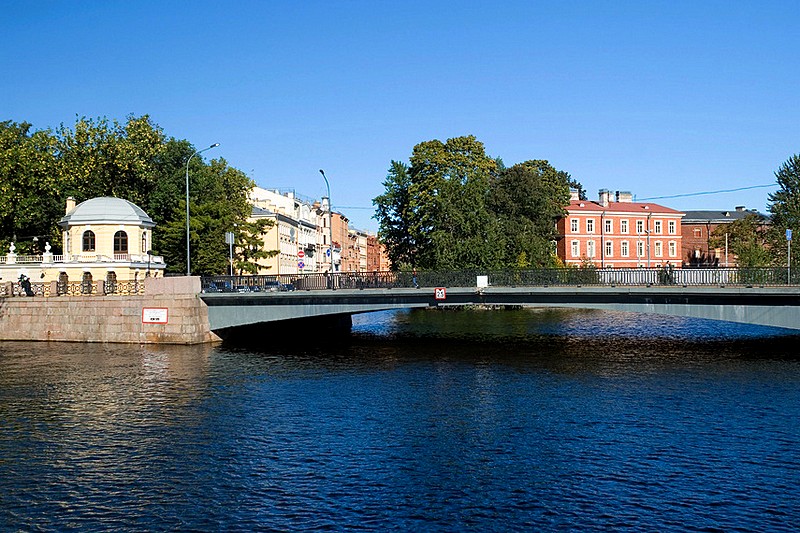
pixel 71 288
pixel 546 277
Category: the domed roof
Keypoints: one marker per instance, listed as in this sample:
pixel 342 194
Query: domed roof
pixel 106 210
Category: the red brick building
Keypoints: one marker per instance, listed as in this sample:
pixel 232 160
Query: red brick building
pixel 619 233
pixel 697 227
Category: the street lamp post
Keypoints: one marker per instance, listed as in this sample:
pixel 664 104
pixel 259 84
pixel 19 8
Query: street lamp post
pixel 330 217
pixel 188 261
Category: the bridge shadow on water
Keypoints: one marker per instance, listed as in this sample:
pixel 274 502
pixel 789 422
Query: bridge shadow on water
pixel 513 336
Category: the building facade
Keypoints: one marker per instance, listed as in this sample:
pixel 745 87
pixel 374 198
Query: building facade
pixel 616 232
pixel 697 227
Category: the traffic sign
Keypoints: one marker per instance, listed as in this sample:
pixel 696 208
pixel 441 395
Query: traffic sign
pixel 440 293
pixel 788 235
pixel 301 265
pixel 301 254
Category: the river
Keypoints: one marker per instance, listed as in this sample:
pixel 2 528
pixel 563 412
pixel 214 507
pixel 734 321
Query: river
pixel 516 420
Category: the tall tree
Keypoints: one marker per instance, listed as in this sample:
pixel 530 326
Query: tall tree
pixel 785 207
pixel 30 199
pixel 393 210
pixel 450 223
pixel 528 199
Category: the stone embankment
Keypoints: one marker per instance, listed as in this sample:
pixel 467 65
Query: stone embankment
pixel 169 312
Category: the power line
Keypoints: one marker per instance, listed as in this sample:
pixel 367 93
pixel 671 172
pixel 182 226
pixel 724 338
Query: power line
pixel 707 192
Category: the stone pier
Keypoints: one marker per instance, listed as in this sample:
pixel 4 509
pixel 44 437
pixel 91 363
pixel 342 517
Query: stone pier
pixel 169 312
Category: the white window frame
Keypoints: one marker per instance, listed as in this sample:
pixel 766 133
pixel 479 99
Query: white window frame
pixel 609 226
pixel 589 225
pixel 673 249
pixel 624 250
pixel 575 248
pixel 574 225
pixel 671 227
pixel 639 227
pixel 659 249
pixel 657 227
pixel 639 249
pixel 590 249
pixel 609 249
pixel 623 226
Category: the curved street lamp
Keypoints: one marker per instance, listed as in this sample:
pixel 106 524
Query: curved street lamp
pixel 188 263
pixel 330 217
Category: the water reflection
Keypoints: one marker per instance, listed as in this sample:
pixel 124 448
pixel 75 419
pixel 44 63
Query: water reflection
pixel 450 420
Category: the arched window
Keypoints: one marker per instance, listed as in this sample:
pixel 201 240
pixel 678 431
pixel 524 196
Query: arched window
pixel 88 241
pixel 120 242
pixel 144 242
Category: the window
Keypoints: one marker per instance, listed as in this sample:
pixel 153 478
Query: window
pixel 659 251
pixel 673 249
pixel 590 249
pixel 697 233
pixel 609 226
pixel 640 226
pixel 573 225
pixel 576 249
pixel 120 242
pixel 623 248
pixel 609 249
pixel 657 226
pixel 640 249
pixel 88 241
pixel 671 227
pixel 144 242
pixel 623 226
pixel 589 225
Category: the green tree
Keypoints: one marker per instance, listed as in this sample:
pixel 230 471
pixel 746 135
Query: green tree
pixel 450 222
pixel 218 204
pixel 746 240
pixel 394 211
pixel 30 199
pixel 785 208
pixel 528 199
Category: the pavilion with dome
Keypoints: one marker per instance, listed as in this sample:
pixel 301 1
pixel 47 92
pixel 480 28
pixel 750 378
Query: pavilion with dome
pixel 104 239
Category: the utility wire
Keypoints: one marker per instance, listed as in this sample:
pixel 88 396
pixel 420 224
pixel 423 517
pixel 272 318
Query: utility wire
pixel 708 192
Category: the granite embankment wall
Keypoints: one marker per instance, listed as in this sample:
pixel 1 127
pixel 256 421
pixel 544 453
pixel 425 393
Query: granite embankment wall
pixel 112 318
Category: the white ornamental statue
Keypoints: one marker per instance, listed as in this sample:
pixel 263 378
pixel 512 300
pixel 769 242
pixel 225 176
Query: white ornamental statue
pixel 12 248
pixel 46 247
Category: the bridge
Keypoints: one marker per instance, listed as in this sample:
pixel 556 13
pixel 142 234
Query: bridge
pixel 769 297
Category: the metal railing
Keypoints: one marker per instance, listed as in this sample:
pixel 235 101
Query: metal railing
pixel 547 277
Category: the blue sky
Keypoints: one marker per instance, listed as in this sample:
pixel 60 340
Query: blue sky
pixel 658 98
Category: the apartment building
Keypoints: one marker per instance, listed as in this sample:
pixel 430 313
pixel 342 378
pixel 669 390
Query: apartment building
pixel 616 232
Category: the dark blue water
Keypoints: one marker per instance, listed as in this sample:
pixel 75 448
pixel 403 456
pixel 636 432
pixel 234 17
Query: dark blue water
pixel 424 421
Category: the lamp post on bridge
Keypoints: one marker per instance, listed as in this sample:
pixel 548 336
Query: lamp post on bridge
pixel 330 218
pixel 188 260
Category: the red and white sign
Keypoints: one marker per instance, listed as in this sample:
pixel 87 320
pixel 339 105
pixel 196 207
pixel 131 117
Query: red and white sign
pixel 440 293
pixel 301 254
pixel 154 315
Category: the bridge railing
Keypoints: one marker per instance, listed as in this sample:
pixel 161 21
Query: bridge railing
pixel 545 277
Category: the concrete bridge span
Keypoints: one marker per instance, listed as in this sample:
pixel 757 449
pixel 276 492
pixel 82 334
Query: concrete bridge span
pixel 768 306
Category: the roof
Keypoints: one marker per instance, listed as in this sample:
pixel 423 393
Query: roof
pixel 719 216
pixel 579 206
pixel 106 210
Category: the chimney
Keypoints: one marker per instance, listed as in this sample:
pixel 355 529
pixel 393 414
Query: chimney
pixel 70 204
pixel 624 196
pixel 740 208
pixel 574 195
pixel 605 197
